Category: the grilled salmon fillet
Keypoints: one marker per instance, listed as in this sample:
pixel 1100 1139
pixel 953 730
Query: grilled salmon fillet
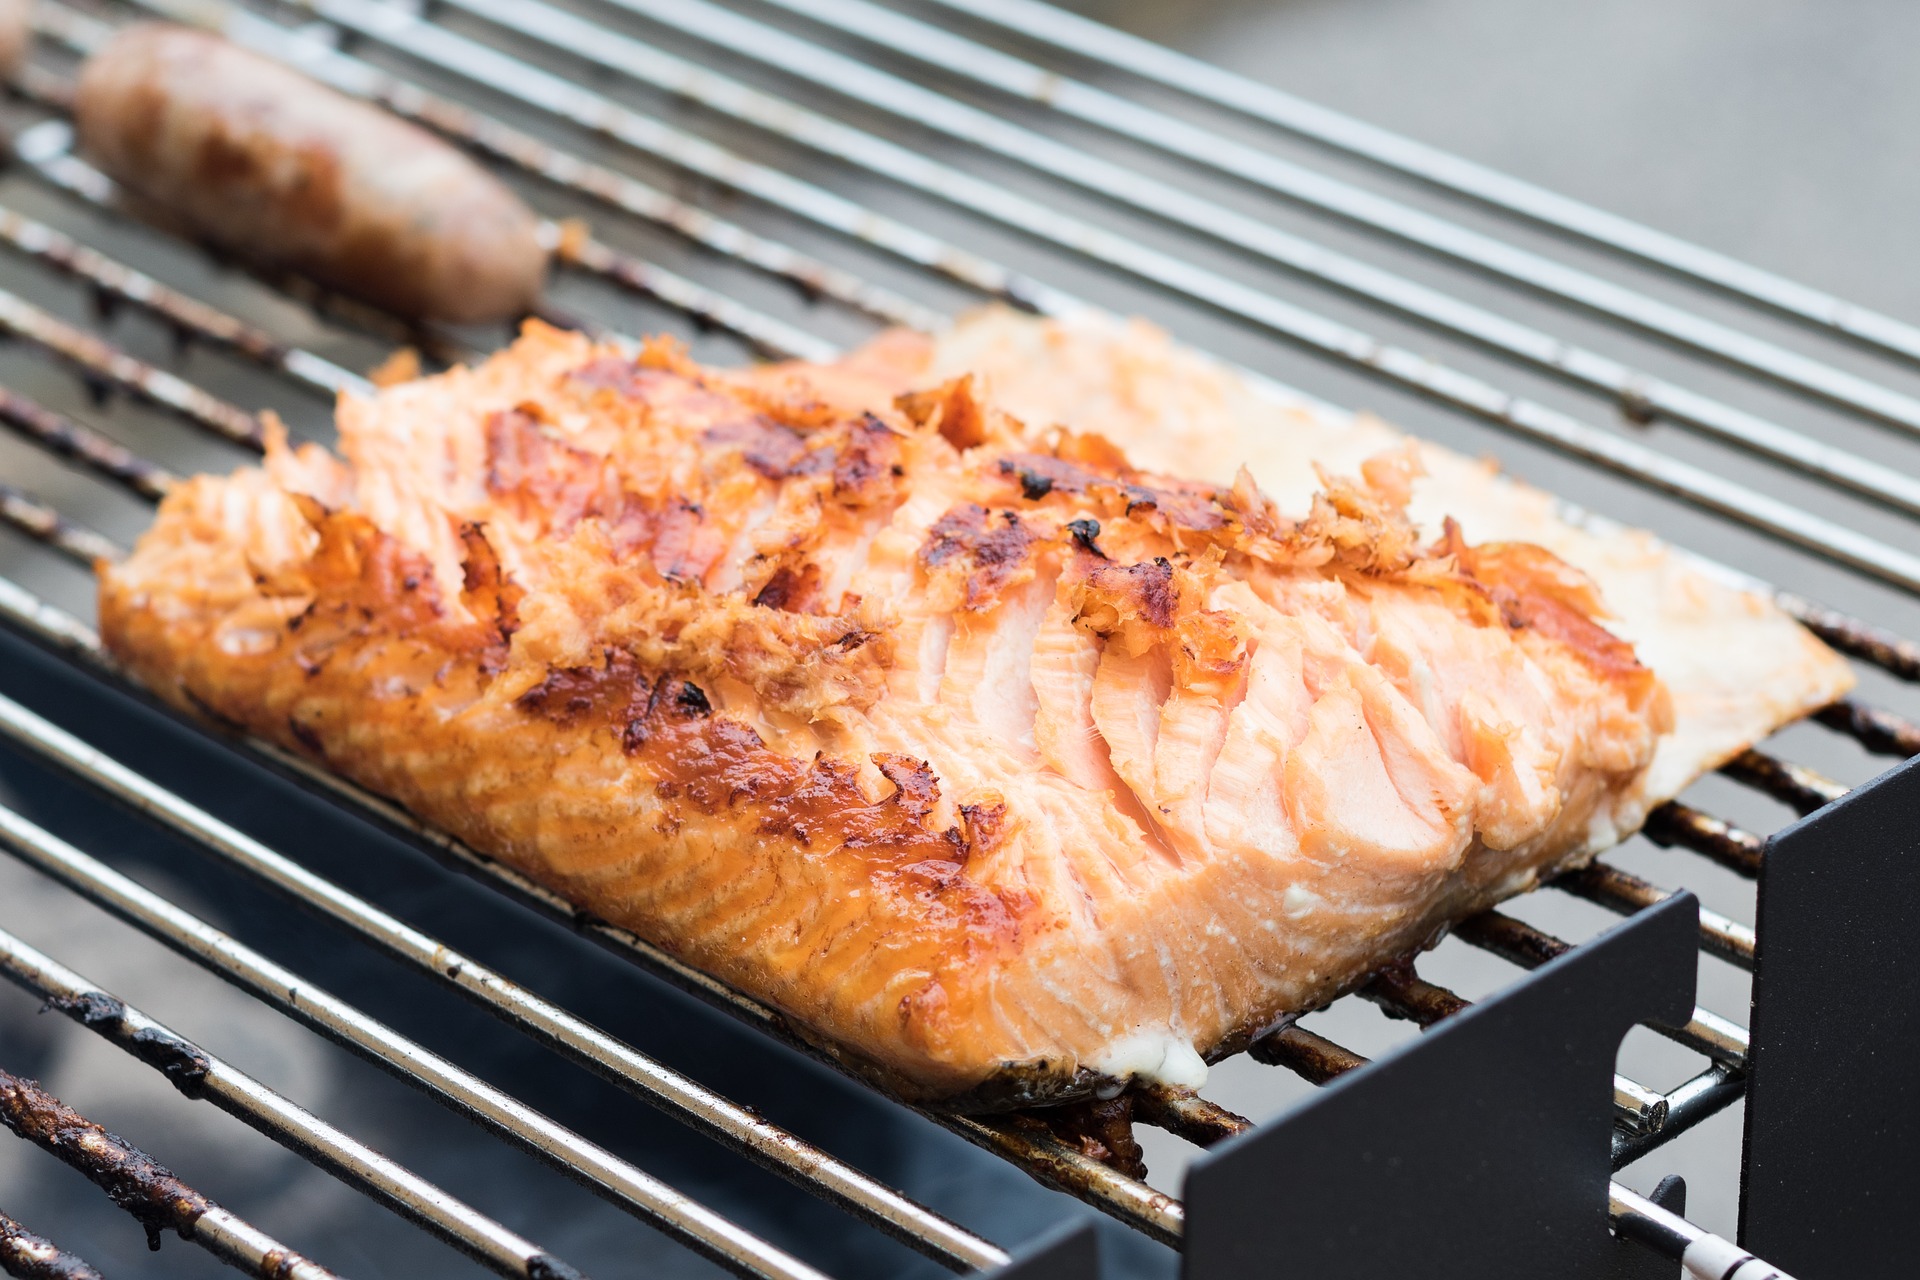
pixel 1736 665
pixel 1003 767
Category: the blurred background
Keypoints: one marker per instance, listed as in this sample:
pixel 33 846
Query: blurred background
pixel 1776 131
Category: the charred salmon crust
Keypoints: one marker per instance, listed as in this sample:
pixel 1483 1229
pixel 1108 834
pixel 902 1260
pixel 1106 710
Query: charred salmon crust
pixel 996 765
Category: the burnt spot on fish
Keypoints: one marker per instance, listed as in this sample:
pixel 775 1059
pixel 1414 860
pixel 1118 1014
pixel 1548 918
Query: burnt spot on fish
pixel 692 700
pixel 994 546
pixel 1086 534
pixel 772 449
pixel 1039 475
pixel 788 589
pixel 864 471
pixel 915 788
pixel 1117 593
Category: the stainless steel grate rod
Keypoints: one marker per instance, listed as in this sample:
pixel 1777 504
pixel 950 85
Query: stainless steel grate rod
pixel 1152 1212
pixel 1084 38
pixel 137 1183
pixel 419 38
pixel 31 516
pixel 116 281
pixel 500 141
pixel 258 1106
pixel 854 79
pixel 582 1043
pixel 624 1185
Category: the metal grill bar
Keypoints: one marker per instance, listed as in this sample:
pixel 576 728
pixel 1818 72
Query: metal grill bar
pixel 22 511
pixel 1046 1158
pixel 580 1042
pixel 1680 824
pixel 23 1253
pixel 622 1184
pixel 115 282
pixel 420 38
pixel 106 365
pixel 1792 784
pixel 1520 943
pixel 1626 893
pixel 61 435
pixel 1877 730
pixel 854 79
pixel 143 1187
pixel 253 1103
pixel 1085 38
pixel 1186 1115
pixel 1855 638
pixel 772 338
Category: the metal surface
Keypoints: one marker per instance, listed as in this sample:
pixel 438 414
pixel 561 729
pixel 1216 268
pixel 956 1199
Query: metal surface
pixel 203 1076
pixel 592 1048
pixel 1342 133
pixel 30 1257
pixel 902 165
pixel 603 112
pixel 686 1219
pixel 135 1181
pixel 1833 1107
pixel 1523 1077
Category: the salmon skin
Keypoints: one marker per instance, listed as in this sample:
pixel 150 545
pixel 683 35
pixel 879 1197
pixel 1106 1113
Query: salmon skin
pixel 1002 767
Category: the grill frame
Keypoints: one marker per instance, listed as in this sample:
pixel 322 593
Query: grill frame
pixel 1615 889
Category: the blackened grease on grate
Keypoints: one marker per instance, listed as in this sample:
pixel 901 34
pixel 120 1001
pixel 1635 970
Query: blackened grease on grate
pixel 132 1179
pixel 27 1256
pixel 181 1063
pixel 544 1266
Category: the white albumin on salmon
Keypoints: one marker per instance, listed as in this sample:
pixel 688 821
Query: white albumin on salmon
pixel 998 764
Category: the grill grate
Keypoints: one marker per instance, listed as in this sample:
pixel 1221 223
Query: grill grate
pixel 516 55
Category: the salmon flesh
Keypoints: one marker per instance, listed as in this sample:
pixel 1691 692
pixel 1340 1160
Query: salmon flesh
pixel 1005 767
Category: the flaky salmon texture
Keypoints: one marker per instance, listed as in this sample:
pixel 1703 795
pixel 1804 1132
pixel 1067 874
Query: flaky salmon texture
pixel 1003 768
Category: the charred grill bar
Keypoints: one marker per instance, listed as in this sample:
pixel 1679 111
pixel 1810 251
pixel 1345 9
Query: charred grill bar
pixel 1644 1117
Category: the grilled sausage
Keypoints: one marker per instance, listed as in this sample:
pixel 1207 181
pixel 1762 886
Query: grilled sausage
pixel 16 32
pixel 263 163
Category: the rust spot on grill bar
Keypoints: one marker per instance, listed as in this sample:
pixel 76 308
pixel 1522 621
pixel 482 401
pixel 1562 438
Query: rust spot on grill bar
pixel 1402 993
pixel 1309 1056
pixel 1511 939
pixel 1186 1114
pixel 1683 825
pixel 544 1266
pixel 131 1178
pixel 1796 785
pixel 1881 732
pixel 30 1257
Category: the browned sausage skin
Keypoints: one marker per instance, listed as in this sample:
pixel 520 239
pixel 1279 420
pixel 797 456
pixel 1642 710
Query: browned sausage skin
pixel 16 33
pixel 268 165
